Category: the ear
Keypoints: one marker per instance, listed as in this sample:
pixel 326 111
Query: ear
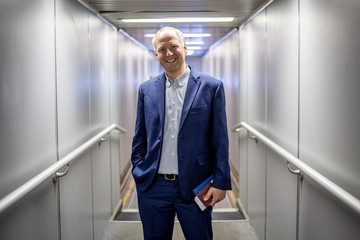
pixel 156 55
pixel 185 48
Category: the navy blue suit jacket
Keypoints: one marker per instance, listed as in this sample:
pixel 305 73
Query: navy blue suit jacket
pixel 202 140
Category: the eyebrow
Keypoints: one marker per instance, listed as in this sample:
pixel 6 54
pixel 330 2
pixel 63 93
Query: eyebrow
pixel 171 43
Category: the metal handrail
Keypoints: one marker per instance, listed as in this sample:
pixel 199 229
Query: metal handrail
pixel 320 179
pixel 36 181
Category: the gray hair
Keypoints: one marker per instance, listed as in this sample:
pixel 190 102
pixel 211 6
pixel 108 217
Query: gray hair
pixel 177 31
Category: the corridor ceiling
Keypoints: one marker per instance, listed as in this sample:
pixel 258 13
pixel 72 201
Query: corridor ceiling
pixel 114 10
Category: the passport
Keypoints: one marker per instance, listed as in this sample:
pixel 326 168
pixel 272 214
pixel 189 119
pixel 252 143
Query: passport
pixel 201 191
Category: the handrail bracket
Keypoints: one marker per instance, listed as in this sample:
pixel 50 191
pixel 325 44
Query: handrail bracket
pixel 59 174
pixel 295 171
pixel 104 139
pixel 253 137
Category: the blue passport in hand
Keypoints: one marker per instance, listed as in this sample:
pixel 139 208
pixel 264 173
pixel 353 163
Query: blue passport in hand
pixel 201 191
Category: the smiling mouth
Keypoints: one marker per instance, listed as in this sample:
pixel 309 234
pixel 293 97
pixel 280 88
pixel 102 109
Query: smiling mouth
pixel 171 60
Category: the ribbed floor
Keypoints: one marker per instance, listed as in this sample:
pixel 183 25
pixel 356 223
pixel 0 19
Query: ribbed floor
pixel 218 214
pixel 229 230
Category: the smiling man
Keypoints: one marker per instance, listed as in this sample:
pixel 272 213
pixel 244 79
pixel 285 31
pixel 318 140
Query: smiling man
pixel 180 140
pixel 170 50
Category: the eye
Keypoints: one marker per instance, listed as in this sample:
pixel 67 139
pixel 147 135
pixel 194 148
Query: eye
pixel 174 47
pixel 161 50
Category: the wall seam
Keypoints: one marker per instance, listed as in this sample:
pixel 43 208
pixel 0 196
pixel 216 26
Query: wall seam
pixel 118 97
pixel 266 116
pixel 57 184
pixel 90 131
pixel 109 41
pixel 247 118
pixel 298 135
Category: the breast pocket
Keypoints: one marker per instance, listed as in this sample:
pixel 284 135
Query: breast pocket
pixel 198 109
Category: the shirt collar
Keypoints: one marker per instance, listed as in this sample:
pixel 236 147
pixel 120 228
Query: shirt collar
pixel 180 80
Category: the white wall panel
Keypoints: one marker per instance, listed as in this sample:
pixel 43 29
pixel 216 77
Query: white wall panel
pixel 135 65
pixel 230 76
pixel 72 64
pixel 114 117
pixel 257 118
pixel 243 115
pixel 282 117
pixel 329 115
pixel 76 200
pixel 27 116
pixel 100 119
pixel 195 62
pixel 128 94
pixel 208 63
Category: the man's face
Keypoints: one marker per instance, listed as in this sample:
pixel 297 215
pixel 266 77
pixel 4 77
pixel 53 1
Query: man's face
pixel 170 52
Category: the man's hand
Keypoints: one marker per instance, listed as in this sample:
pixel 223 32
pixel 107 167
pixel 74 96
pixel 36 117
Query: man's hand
pixel 217 195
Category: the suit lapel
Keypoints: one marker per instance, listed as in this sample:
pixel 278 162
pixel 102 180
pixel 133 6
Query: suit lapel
pixel 191 91
pixel 160 93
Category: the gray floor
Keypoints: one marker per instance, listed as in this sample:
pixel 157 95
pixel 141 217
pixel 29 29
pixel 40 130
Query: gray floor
pixel 223 230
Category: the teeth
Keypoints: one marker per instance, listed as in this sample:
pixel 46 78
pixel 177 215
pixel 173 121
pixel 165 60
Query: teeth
pixel 170 61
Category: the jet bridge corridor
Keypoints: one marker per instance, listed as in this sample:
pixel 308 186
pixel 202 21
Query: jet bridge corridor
pixel 70 72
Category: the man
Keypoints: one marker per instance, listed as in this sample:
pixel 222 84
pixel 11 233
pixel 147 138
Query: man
pixel 180 140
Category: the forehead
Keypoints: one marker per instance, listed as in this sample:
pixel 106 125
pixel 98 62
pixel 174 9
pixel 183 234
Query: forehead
pixel 167 37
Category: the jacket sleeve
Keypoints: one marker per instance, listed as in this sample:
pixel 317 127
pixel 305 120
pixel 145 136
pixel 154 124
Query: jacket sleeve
pixel 139 145
pixel 220 141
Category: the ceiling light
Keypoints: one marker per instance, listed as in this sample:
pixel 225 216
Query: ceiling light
pixel 191 52
pixel 151 35
pixel 195 43
pixel 194 47
pixel 176 20
pixel 197 34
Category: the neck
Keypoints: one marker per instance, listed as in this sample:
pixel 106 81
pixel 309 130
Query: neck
pixel 173 75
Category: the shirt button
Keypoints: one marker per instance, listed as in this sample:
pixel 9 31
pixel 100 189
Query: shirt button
pixel 173 136
pixel 173 154
pixel 173 103
pixel 173 119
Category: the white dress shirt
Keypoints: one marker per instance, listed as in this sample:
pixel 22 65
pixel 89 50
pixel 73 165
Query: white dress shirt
pixel 174 99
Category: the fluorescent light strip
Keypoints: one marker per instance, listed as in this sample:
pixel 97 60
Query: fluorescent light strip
pixel 176 20
pixel 151 35
pixel 191 52
pixel 195 43
pixel 197 34
pixel 193 47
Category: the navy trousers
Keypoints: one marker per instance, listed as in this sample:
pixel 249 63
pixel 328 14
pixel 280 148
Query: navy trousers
pixel 158 206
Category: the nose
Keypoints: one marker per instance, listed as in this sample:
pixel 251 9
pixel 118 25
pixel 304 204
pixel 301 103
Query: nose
pixel 169 52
